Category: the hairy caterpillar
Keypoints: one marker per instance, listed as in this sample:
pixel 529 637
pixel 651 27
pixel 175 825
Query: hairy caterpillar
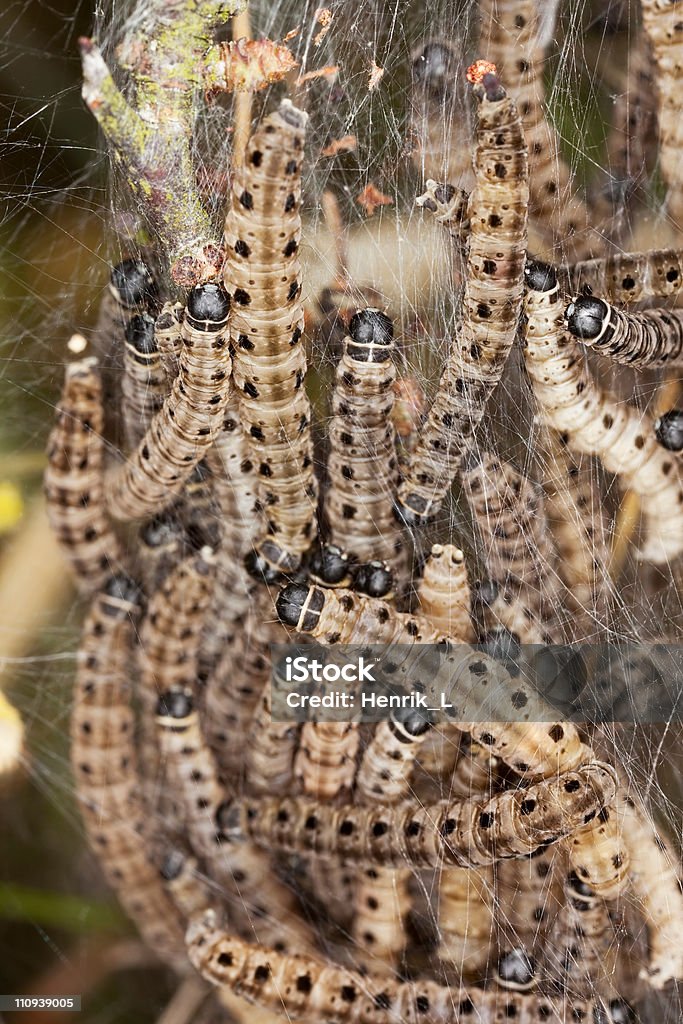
pixel 310 990
pixel 74 482
pixel 143 383
pixel 627 278
pixel 187 424
pixel 590 421
pixel 265 905
pixel 651 338
pixel 491 306
pixel 468 833
pixel 262 276
pixel 444 592
pixel 362 462
pixel 105 769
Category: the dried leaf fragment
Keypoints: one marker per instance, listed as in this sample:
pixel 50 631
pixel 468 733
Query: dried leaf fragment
pixel 324 18
pixel 376 76
pixel 326 72
pixel 347 144
pixel 370 198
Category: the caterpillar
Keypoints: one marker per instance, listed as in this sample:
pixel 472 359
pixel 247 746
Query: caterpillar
pixel 382 898
pixel 187 424
pixel 627 278
pixel 270 745
pixel 651 338
pixel 105 770
pixel 182 879
pixel 309 990
pixel 143 384
pixel 467 676
pixel 527 899
pixel 167 335
pixel 508 37
pixel 362 462
pixel 491 306
pixel 669 430
pixel 444 592
pixel 168 653
pixel 581 950
pixel 591 421
pixel 440 126
pixel 130 289
pixel 325 761
pixel 235 684
pixel 465 895
pixel 662 25
pixel 262 276
pixel 509 514
pixel 266 907
pixel 449 206
pixel 240 521
pixel 73 482
pixel 163 543
pixel 656 884
pixel 469 833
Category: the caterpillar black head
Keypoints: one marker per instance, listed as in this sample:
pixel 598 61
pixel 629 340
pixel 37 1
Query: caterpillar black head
pixel 586 317
pixel 516 970
pixel 124 591
pixel 540 277
pixel 140 334
pixel 330 566
pixel 371 336
pixel 669 430
pixel 175 704
pixel 412 721
pixel 207 305
pixel 299 606
pixel 433 68
pixel 132 284
pixel 375 579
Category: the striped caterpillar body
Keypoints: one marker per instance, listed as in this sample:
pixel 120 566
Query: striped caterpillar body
pixel 509 513
pixel 656 884
pixel 592 422
pixel 362 463
pixel 262 276
pixel 235 684
pixel 304 989
pixel 270 745
pixel 187 424
pixel 439 116
pixel 74 482
pixel 508 37
pixel 326 759
pixel 465 907
pixel 182 878
pixel 581 949
pixel 627 278
pixel 663 26
pixel 163 543
pixel 491 306
pixel 105 769
pixel 470 833
pixel 143 384
pixel 527 898
pixel 444 592
pixel 168 338
pixel 382 898
pixel 651 338
pixel 131 289
pixel 245 872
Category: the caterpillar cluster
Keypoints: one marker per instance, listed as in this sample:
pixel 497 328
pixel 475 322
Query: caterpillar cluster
pixel 487 849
